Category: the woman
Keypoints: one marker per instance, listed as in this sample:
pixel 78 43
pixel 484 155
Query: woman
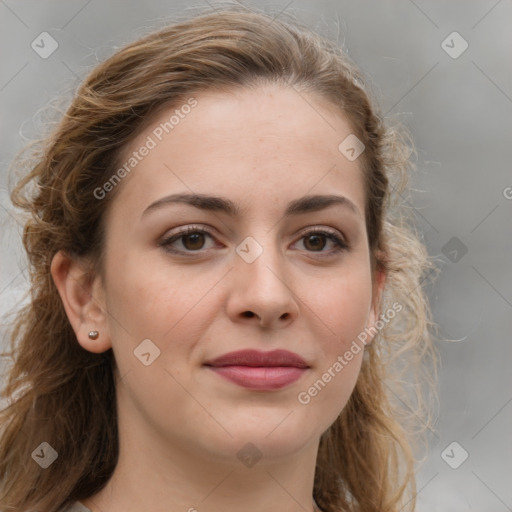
pixel 224 289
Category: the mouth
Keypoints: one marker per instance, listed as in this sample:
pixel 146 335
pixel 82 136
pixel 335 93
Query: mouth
pixel 258 370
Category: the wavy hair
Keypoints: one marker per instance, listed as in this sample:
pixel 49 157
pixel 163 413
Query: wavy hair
pixel 59 393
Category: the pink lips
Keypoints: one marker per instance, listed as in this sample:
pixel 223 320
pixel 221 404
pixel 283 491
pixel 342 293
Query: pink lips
pixel 259 370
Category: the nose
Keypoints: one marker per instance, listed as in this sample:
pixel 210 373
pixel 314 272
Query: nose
pixel 261 292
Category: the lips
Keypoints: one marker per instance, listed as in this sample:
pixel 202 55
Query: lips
pixel 254 358
pixel 263 371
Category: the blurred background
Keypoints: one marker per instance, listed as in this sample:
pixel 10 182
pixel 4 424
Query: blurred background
pixel 444 69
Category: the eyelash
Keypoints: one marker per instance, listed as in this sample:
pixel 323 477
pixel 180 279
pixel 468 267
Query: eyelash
pixel 340 244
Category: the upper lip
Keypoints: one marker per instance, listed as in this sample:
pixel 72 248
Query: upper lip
pixel 258 358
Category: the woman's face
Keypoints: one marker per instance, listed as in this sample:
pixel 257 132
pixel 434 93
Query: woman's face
pixel 261 268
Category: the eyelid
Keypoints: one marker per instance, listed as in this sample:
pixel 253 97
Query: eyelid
pixel 174 235
pixel 332 234
pixel 323 230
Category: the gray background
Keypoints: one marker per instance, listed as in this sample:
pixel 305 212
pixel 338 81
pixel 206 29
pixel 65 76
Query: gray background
pixel 459 111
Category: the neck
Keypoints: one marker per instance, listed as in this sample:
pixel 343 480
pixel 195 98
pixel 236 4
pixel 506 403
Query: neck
pixel 182 479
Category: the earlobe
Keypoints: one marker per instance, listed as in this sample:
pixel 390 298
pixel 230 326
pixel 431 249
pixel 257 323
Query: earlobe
pixel 82 297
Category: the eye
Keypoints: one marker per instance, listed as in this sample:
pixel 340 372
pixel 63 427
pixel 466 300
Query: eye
pixel 190 239
pixel 316 240
pixel 193 239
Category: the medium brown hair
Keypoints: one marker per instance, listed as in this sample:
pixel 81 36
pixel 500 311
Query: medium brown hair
pixel 65 395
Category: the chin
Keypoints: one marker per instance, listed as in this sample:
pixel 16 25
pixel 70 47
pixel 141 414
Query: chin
pixel 271 438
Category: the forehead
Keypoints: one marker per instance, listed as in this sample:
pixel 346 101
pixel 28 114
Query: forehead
pixel 267 143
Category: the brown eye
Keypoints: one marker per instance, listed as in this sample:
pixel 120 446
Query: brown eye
pixel 188 240
pixel 314 242
pixel 193 241
pixel 324 242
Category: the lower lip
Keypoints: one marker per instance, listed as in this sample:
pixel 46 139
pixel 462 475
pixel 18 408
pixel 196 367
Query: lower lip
pixel 262 378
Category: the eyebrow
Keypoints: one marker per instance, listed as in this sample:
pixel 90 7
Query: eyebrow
pixel 306 204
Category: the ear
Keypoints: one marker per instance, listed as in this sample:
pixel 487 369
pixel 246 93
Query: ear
pixel 378 282
pixel 83 298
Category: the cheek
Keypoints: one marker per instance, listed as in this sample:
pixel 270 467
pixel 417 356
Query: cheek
pixel 328 390
pixel 342 304
pixel 150 300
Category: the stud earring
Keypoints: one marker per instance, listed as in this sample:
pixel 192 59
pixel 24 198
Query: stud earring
pixel 93 335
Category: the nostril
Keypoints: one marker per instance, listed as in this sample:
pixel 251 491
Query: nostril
pixel 248 314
